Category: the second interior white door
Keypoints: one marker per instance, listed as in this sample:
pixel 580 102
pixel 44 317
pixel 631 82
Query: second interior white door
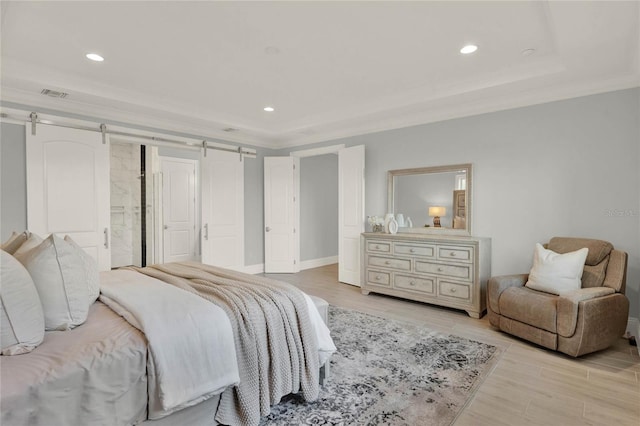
pixel 179 209
pixel 280 214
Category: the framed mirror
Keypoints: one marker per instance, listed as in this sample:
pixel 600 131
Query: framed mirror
pixel 433 200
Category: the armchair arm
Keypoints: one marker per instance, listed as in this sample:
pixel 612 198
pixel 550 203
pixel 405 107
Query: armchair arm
pixel 567 307
pixel 497 285
pixel 616 276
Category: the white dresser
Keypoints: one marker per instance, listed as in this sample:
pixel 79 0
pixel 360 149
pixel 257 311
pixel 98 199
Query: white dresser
pixel 444 270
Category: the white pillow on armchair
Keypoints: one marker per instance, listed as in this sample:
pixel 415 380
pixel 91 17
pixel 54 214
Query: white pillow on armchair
pixel 556 273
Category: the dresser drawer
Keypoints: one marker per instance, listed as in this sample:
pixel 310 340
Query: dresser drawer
pixel 423 285
pixel 378 247
pixel 379 278
pixel 459 254
pixel 388 262
pixel 454 290
pixel 414 249
pixel 461 272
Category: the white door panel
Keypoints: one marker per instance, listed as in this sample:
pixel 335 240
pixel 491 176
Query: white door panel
pixel 280 214
pixel 351 212
pixel 68 188
pixel 223 210
pixel 178 182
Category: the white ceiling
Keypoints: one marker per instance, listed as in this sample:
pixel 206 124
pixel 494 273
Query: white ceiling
pixel 331 69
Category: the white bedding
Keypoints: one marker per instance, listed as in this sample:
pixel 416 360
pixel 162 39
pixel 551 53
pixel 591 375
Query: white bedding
pixel 191 346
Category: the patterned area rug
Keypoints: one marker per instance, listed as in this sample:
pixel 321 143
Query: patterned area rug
pixel 390 373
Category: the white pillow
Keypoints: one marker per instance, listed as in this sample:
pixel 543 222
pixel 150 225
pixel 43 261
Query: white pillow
pixel 58 273
pixel 22 320
pixel 556 273
pixel 32 242
pixel 14 242
pixel 92 276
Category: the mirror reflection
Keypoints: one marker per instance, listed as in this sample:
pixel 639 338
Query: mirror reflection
pixel 431 199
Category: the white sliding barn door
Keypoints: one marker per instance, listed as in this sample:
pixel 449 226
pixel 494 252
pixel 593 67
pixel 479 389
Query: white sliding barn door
pixel 68 187
pixel 179 209
pixel 351 212
pixel 222 210
pixel 280 214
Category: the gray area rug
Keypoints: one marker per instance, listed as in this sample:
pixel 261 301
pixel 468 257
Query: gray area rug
pixel 390 373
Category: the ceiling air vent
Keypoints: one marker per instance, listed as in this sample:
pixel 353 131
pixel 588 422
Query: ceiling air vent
pixel 230 129
pixel 54 93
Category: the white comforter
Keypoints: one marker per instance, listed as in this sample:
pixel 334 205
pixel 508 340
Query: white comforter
pixel 191 346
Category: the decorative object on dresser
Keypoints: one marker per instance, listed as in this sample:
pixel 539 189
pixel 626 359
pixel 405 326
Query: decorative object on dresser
pixel 586 319
pixel 445 270
pixel 435 213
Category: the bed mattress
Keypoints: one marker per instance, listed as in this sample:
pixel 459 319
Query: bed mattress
pixel 94 372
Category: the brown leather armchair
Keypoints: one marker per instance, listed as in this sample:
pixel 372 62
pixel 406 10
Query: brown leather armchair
pixel 583 321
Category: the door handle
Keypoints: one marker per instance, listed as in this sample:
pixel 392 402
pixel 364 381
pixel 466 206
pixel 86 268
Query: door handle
pixel 106 238
pixel 166 227
pixel 267 229
pixel 206 231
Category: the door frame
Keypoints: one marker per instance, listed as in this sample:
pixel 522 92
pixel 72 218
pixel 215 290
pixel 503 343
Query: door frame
pixel 313 152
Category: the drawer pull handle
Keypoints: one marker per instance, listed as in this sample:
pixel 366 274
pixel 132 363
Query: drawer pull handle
pixel 412 283
pixel 377 247
pixel 386 262
pixel 378 277
pixel 453 290
pixel 440 269
pixel 411 251
pixel 453 254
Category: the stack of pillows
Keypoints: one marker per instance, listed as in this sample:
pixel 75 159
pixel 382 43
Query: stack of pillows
pixel 45 285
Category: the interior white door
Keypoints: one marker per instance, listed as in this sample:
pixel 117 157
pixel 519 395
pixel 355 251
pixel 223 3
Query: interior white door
pixel 68 187
pixel 280 217
pixel 351 212
pixel 222 209
pixel 179 209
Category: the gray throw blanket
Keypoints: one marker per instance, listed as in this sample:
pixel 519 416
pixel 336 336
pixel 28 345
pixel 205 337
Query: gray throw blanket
pixel 276 348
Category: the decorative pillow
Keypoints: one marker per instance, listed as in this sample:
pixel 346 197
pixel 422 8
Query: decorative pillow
pixel 22 320
pixel 14 242
pixel 556 273
pixel 32 242
pixel 92 276
pixel 58 273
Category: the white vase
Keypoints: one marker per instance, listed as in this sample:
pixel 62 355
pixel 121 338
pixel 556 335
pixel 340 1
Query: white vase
pixel 393 226
pixel 400 220
pixel 387 219
pixel 409 222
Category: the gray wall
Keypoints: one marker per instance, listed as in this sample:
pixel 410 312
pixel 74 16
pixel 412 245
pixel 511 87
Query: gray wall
pixel 318 207
pixel 563 168
pixel 13 180
pixel 566 168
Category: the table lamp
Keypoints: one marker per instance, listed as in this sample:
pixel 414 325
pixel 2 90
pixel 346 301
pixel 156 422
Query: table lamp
pixel 435 213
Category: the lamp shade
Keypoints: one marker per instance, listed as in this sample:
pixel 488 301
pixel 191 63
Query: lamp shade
pixel 437 211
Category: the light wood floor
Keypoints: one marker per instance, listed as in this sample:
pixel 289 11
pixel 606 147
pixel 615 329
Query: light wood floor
pixel 529 385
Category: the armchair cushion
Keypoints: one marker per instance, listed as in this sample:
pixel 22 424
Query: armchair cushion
pixel 568 307
pixel 497 285
pixel 528 306
pixel 598 249
pixel 593 275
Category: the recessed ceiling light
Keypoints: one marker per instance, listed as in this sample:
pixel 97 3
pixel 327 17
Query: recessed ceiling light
pixel 94 57
pixel 269 109
pixel 469 48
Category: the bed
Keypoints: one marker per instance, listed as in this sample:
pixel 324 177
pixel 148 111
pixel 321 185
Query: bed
pixel 158 347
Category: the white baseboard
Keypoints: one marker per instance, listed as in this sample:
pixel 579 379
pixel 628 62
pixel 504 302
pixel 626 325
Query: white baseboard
pixel 316 263
pixel 633 328
pixel 254 269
